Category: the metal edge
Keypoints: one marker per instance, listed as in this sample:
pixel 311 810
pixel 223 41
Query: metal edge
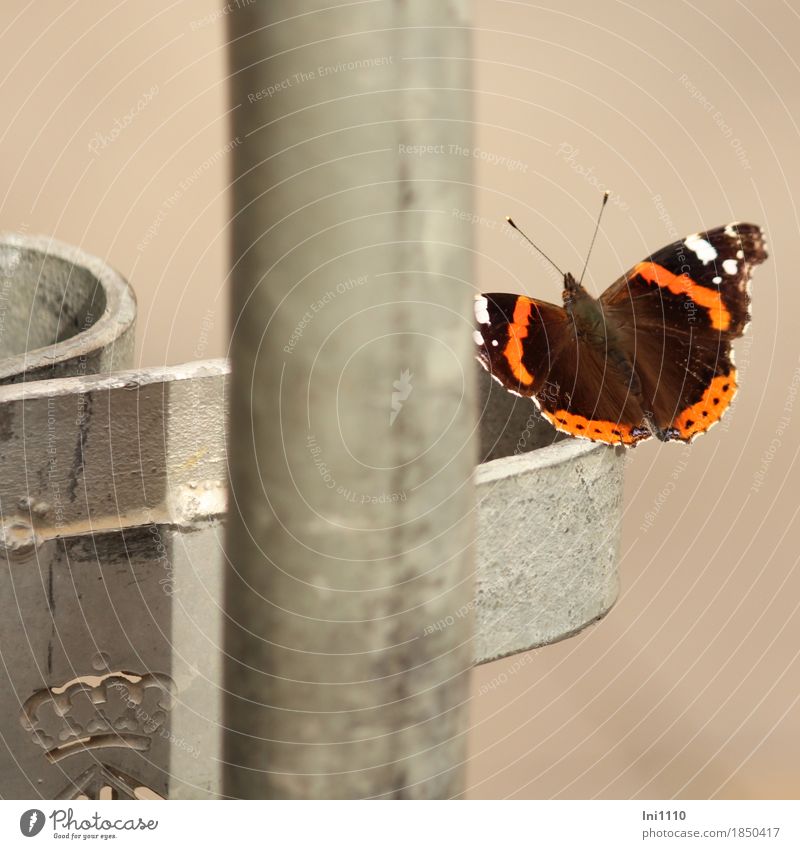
pixel 557 453
pixel 130 379
pixel 118 316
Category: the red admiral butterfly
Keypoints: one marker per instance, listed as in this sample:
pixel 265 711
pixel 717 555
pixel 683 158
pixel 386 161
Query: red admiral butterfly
pixel 650 357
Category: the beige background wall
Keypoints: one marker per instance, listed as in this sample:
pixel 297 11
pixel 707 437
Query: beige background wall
pixel 688 113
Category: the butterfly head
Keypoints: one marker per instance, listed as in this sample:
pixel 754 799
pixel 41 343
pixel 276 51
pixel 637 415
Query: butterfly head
pixel 572 290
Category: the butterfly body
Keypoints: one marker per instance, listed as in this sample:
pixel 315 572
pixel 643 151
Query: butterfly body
pixel 650 357
pixel 588 317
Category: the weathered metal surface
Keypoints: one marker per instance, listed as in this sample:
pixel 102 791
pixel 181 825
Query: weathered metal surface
pixel 352 508
pixel 132 565
pixel 92 454
pixel 111 562
pixel 63 312
pixel 548 529
pixel 106 482
pixel 548 538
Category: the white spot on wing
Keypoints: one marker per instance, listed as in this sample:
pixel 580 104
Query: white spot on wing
pixel 495 343
pixel 704 250
pixel 740 254
pixel 478 337
pixel 730 266
pixel 481 309
pixel 717 280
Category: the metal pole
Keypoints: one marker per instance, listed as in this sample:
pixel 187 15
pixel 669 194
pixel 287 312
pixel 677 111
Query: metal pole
pixel 349 586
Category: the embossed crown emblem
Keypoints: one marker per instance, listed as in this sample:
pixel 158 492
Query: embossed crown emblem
pixel 118 709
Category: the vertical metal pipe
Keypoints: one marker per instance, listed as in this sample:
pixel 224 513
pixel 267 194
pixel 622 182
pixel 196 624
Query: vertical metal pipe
pixel 349 586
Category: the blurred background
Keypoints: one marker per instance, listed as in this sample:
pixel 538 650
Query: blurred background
pixel 116 139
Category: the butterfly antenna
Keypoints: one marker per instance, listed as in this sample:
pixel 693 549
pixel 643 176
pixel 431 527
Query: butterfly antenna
pixel 512 224
pixel 596 228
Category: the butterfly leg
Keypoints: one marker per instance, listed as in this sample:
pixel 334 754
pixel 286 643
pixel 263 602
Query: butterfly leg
pixel 662 434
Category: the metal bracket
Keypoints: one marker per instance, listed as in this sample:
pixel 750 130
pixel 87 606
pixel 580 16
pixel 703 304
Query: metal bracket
pixel 112 499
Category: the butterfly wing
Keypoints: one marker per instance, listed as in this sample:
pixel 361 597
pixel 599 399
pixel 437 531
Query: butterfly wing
pixel 532 349
pixel 518 339
pixel 676 314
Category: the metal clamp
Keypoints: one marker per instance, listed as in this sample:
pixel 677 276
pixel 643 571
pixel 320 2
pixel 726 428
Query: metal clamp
pixel 112 497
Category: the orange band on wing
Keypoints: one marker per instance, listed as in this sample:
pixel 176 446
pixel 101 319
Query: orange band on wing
pixel 684 285
pixel 598 430
pixel 709 409
pixel 517 331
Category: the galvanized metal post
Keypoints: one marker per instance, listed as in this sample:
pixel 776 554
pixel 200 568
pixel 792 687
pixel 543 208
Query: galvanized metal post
pixel 349 589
